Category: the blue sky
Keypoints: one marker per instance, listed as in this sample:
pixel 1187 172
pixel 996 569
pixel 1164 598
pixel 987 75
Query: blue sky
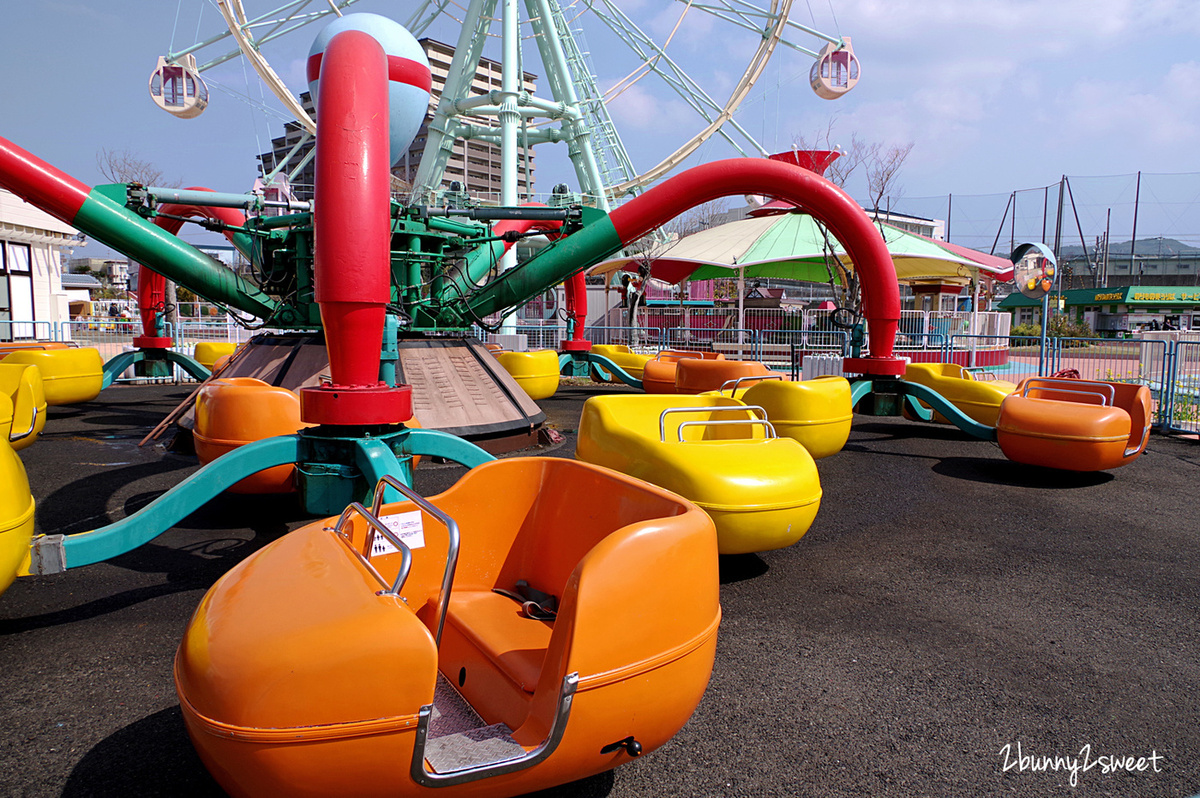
pixel 997 95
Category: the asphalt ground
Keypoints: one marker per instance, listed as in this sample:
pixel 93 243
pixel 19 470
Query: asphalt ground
pixel 946 607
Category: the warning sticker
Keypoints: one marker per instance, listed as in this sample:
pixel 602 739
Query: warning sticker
pixel 406 526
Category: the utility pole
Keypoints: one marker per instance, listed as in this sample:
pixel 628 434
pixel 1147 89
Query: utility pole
pixel 1062 186
pixel 1137 193
pixel 1107 228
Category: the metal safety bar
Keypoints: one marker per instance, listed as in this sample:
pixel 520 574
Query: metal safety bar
pixel 558 727
pixel 364 556
pixel 980 374
pixel 32 426
pixel 1105 393
pixel 1137 447
pixel 681 354
pixel 662 419
pixel 738 382
pixel 452 536
pixel 727 422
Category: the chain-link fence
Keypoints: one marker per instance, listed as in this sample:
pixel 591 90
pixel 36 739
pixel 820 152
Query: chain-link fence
pixel 1089 221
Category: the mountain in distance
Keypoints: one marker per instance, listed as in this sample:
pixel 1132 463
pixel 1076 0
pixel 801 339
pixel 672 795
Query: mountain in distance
pixel 1146 247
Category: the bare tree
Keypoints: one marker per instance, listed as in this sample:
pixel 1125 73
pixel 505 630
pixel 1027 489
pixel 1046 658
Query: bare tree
pixel 650 247
pixel 698 218
pixel 883 168
pixel 123 166
pixel 881 165
pixel 852 152
pixel 693 220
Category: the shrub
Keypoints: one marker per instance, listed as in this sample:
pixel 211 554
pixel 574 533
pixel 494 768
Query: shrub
pixel 1022 333
pixel 1061 326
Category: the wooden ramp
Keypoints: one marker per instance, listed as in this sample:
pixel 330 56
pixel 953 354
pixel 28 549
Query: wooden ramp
pixel 458 386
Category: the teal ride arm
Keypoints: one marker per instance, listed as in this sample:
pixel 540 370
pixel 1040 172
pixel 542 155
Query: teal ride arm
pixel 611 367
pixel 571 366
pixel 952 413
pixel 117 364
pixel 376 458
pixel 435 443
pixel 189 364
pixel 915 407
pixel 858 390
pixel 164 512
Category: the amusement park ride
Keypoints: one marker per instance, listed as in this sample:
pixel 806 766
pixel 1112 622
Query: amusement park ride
pixel 364 267
pixel 561 698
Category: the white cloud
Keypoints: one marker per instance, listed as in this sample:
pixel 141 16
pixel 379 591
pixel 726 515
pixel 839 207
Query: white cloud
pixel 1021 24
pixel 1168 116
pixel 639 107
pixel 1183 82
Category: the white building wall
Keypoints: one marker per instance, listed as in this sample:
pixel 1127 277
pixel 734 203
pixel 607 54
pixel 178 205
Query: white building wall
pixel 46 236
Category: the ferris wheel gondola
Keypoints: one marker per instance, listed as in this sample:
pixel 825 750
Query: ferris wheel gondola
pixel 836 70
pixel 177 88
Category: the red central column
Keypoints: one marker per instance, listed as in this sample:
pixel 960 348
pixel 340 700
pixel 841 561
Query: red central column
pixel 352 231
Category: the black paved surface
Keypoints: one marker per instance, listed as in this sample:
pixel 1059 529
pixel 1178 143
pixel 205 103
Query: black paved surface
pixel 946 607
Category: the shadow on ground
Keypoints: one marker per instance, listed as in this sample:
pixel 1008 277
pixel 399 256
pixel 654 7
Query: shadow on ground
pixel 150 757
pixel 154 757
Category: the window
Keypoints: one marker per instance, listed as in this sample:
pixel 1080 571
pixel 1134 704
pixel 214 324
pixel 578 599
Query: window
pixel 16 293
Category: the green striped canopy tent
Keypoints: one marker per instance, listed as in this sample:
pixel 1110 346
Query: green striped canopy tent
pixel 794 246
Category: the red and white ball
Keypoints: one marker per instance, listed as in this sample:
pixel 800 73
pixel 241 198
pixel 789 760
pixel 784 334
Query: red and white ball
pixel 409 76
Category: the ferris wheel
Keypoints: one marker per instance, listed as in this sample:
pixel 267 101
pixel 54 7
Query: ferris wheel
pixel 578 111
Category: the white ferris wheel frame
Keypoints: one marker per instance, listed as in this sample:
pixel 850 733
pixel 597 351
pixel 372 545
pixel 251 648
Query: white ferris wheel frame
pixel 602 165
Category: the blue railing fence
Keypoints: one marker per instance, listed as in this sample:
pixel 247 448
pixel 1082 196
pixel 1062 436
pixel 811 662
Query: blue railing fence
pixel 1169 368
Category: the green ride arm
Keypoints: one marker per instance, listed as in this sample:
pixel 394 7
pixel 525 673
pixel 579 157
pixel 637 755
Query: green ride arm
pixel 595 241
pixel 108 221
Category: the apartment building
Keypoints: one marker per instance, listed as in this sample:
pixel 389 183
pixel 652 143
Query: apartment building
pixel 474 165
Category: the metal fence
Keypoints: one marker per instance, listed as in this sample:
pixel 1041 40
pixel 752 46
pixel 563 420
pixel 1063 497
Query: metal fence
pixel 1169 368
pixel 112 335
pixel 27 330
pixel 1183 387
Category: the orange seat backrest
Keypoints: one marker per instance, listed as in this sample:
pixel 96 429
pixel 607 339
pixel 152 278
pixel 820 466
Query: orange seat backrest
pixel 523 519
pixel 675 355
pixel 595 539
pixel 1136 401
